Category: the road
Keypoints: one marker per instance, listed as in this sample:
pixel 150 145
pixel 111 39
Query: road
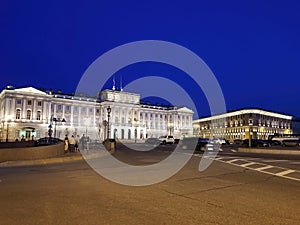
pixel 228 192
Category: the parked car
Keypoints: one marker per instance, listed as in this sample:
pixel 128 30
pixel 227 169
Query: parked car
pixel 153 141
pixel 238 142
pixel 47 141
pixel 176 141
pixel 221 141
pixel 291 143
pixel 194 143
pixel 256 143
pixel 167 139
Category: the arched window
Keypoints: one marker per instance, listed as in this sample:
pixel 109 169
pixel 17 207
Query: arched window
pixel 18 114
pixel 122 134
pixel 28 115
pixel 38 115
pixel 129 134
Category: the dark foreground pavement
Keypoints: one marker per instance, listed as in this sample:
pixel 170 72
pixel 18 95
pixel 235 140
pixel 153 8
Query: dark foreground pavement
pixel 72 193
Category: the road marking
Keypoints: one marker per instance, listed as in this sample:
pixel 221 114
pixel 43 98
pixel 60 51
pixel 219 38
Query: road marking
pixel 264 168
pixel 234 160
pixel 248 164
pixel 233 150
pixel 284 172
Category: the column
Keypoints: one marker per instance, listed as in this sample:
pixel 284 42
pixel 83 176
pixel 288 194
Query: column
pixel 71 117
pixel 24 108
pixel 44 115
pixel 13 108
pixel 34 110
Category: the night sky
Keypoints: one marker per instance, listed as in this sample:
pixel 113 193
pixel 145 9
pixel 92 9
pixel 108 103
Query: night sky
pixel 252 47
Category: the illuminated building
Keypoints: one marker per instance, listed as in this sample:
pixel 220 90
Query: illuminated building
pixel 31 113
pixel 242 123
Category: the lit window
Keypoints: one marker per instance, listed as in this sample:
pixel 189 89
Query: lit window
pixel 18 114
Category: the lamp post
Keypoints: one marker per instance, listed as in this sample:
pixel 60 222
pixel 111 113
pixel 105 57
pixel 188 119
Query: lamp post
pixel 55 120
pixel 108 125
pixel 50 131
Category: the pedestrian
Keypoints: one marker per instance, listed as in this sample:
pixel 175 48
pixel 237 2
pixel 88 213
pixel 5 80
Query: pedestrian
pixel 83 142
pixel 72 143
pixel 66 143
pixel 77 143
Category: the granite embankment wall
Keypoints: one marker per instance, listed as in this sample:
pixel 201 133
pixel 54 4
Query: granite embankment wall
pixel 41 152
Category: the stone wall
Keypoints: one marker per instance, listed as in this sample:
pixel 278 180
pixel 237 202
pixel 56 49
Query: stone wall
pixel 42 152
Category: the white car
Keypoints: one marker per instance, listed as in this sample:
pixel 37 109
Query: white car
pixel 167 139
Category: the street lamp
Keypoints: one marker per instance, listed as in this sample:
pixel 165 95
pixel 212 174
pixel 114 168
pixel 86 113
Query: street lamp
pixel 55 120
pixel 108 126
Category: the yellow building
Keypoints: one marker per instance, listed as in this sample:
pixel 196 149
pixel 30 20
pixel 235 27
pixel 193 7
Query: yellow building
pixel 242 123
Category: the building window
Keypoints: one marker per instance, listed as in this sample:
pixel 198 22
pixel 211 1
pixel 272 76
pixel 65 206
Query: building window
pixel 38 115
pixel 19 101
pixel 68 108
pixel 28 115
pixel 39 103
pixel 29 102
pixel 18 114
pixel 59 107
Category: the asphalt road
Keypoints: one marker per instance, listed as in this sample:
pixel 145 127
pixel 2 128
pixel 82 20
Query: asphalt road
pixel 228 192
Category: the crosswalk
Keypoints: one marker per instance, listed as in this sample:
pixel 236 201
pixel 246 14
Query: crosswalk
pixel 261 166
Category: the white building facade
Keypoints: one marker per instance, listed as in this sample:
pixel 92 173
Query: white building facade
pixel 31 113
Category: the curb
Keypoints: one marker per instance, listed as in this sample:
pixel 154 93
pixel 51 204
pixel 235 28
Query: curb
pixel 62 159
pixel 269 151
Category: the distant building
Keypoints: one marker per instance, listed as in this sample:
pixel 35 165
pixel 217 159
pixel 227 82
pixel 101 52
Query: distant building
pixel 241 123
pixel 31 113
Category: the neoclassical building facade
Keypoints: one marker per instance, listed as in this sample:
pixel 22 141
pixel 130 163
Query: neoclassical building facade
pixel 32 113
pixel 240 124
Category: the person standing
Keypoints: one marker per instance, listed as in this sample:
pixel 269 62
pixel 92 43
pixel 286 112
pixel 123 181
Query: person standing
pixel 66 143
pixel 83 142
pixel 77 143
pixel 72 143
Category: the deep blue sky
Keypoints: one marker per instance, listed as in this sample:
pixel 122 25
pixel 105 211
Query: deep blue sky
pixel 252 47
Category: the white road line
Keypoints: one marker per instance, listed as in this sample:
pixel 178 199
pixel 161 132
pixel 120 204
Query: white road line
pixel 264 168
pixel 232 150
pixel 248 164
pixel 233 160
pixel 284 172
